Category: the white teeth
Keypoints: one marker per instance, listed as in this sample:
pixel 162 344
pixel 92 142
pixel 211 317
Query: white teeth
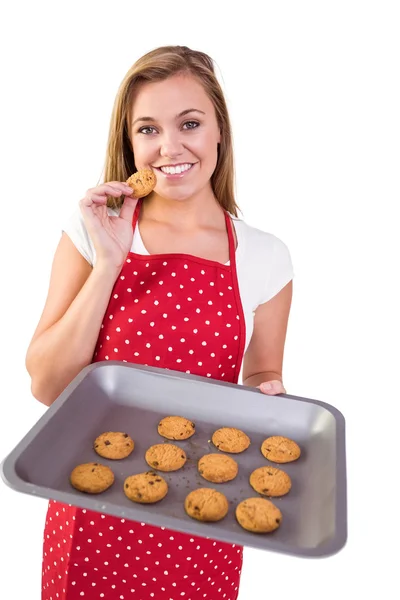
pixel 177 169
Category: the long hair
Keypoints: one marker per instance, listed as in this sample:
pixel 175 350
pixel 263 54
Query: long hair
pixel 158 65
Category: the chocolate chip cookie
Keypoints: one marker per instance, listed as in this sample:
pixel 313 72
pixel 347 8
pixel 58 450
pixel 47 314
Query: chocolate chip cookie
pixel 142 182
pixel 114 445
pixel 270 481
pixel 92 478
pixel 230 439
pixel 280 449
pixel 165 457
pixel 258 515
pixel 217 468
pixel 206 504
pixel 176 428
pixel 145 488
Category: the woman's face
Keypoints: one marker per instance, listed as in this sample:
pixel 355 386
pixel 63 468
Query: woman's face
pixel 175 132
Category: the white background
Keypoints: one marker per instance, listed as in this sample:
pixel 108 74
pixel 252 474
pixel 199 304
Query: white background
pixel 313 90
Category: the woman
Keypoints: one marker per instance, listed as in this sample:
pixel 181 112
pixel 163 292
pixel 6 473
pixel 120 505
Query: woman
pixel 175 281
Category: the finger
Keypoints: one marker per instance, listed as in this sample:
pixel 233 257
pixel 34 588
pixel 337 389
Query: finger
pixel 120 186
pixel 114 189
pixel 91 199
pixel 271 388
pixel 128 208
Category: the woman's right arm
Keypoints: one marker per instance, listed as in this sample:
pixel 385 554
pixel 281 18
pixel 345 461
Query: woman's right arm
pixel 65 338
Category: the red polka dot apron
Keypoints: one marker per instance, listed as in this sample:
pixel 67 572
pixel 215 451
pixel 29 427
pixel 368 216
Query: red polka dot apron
pixel 173 311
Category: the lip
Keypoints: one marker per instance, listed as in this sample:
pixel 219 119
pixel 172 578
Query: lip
pixel 175 175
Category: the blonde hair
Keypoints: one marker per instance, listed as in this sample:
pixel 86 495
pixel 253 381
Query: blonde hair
pixel 158 65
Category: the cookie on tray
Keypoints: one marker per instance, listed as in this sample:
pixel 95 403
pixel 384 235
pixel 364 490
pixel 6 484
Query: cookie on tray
pixel 142 182
pixel 206 504
pixel 165 457
pixel 258 515
pixel 145 488
pixel 217 468
pixel 270 481
pixel 114 445
pixel 92 478
pixel 230 439
pixel 176 428
pixel 279 449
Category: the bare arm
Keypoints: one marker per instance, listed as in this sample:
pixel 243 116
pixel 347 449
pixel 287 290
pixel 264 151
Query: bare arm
pixel 66 335
pixel 263 360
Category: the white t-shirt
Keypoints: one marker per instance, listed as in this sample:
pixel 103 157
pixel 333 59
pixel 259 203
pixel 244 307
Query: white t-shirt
pixel 263 261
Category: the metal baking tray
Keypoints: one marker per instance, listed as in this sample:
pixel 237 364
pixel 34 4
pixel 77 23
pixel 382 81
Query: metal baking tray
pixel 117 396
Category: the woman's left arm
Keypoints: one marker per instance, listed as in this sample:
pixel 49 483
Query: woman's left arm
pixel 263 360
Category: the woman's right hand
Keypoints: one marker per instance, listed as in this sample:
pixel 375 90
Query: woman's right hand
pixel 111 236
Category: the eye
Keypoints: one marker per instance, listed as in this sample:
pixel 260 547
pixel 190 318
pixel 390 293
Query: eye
pixel 191 125
pixel 147 130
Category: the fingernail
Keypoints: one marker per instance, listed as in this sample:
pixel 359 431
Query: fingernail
pixel 266 386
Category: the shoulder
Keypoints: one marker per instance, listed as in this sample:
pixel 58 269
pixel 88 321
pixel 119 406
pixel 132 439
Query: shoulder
pixel 264 261
pixel 259 243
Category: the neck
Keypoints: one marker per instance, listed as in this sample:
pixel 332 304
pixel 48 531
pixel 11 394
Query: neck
pixel 190 213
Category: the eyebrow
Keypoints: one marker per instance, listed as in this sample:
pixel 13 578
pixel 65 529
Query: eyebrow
pixel 181 114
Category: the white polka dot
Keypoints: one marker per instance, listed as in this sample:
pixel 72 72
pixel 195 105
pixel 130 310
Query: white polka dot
pixel 115 295
pixel 173 274
pixel 186 319
pixel 143 311
pixel 200 291
pixel 139 333
pixel 173 326
pixel 157 358
pixel 178 360
pixel 156 302
pixel 178 306
pixel 191 351
pixel 161 336
pixel 152 324
pixel 210 302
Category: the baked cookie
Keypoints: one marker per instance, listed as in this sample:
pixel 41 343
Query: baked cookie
pixel 165 457
pixel 145 488
pixel 258 515
pixel 205 504
pixel 176 428
pixel 217 468
pixel 280 449
pixel 92 478
pixel 114 445
pixel 142 182
pixel 230 439
pixel 270 481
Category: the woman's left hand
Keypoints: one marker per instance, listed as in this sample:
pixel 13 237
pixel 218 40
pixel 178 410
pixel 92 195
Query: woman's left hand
pixel 271 388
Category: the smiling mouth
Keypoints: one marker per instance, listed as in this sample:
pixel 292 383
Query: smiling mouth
pixel 176 169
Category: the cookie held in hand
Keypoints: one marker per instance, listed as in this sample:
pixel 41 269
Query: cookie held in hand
pixel 142 182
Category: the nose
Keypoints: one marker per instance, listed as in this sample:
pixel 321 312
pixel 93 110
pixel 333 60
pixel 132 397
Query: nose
pixel 171 146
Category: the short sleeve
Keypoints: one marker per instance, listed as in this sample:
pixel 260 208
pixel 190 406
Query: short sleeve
pixel 76 230
pixel 280 270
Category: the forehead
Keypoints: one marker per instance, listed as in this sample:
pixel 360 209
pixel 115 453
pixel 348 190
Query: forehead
pixel 173 95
